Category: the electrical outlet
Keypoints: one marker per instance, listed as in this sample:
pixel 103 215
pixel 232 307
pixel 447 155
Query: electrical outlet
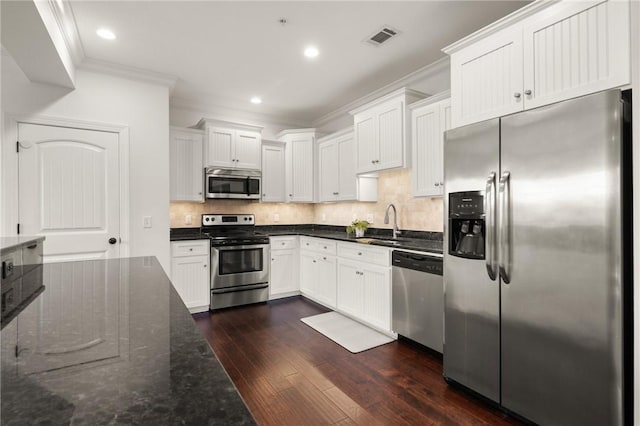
pixel 370 217
pixel 188 219
pixel 276 217
pixel 146 221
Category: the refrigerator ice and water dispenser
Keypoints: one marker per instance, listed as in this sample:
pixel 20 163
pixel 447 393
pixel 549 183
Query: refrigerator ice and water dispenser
pixel 467 224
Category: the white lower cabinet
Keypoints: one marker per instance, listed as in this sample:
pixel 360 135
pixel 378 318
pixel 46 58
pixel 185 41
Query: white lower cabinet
pixel 364 284
pixel 190 273
pixel 364 291
pixel 284 267
pixel 318 270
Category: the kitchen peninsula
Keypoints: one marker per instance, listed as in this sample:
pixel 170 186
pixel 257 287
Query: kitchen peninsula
pixel 110 341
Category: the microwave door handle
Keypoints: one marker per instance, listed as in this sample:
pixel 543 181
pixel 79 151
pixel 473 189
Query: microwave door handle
pixel 248 186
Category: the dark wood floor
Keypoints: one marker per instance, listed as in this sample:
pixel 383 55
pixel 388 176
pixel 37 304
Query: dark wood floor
pixel 289 374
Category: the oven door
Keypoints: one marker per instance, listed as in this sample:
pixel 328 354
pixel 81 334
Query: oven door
pixel 236 266
pixel 239 187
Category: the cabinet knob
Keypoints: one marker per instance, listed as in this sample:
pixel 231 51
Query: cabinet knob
pixel 112 240
pixel 373 161
pixel 204 266
pixel 324 258
pixel 314 261
pixel 441 183
pixel 325 247
pixel 191 249
pixel 290 195
pixel 283 243
pixel 527 92
pixel 264 195
pixel 272 259
pixel 359 253
pixel 517 95
pixel 437 184
pixel 199 193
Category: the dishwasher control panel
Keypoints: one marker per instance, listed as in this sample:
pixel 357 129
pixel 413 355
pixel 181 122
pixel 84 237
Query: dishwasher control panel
pixel 417 262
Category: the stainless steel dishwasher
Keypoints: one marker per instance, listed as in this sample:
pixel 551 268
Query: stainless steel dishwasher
pixel 418 297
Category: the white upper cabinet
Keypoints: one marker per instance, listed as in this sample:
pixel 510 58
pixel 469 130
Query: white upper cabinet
pixel 382 131
pixel 543 53
pixel 430 118
pixel 186 167
pixel 299 147
pixel 273 173
pixel 337 180
pixel 232 145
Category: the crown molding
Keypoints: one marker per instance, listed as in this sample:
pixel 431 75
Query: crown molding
pixel 205 122
pixel 203 106
pixel 431 99
pixel 500 24
pixel 338 134
pixel 66 21
pixel 409 79
pixel 294 132
pixel 131 73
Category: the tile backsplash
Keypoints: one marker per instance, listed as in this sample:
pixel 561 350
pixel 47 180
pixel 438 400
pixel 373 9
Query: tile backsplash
pixel 419 214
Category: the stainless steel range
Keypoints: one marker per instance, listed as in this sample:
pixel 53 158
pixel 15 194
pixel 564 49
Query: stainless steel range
pixel 239 260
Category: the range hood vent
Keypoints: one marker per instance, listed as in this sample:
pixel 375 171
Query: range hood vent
pixel 382 35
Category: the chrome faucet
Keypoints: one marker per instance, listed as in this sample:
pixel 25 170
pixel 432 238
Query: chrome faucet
pixel 395 220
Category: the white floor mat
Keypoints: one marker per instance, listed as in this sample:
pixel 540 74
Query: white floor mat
pixel 349 334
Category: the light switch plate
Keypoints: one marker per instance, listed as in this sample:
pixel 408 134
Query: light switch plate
pixel 276 217
pixel 188 219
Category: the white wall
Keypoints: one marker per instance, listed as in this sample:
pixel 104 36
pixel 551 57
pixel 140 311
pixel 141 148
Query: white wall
pixel 143 107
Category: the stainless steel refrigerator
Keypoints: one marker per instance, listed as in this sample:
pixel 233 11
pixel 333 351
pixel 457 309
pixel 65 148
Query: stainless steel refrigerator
pixel 537 281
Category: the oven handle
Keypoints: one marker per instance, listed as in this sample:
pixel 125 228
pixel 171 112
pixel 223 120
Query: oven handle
pixel 243 247
pixel 240 288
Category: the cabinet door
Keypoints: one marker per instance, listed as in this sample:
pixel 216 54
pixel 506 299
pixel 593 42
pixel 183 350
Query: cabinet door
pixel 247 150
pixel 347 179
pixel 186 168
pixel 575 49
pixel 366 142
pixel 308 273
pixel 220 148
pixel 273 178
pixel 300 180
pixel 390 135
pixel 350 291
pixel 426 144
pixel 190 277
pixel 284 272
pixel 486 78
pixel 328 171
pixel 376 299
pixel 326 281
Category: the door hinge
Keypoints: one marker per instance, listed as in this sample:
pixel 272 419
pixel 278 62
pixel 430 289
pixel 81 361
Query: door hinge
pixel 18 229
pixel 17 146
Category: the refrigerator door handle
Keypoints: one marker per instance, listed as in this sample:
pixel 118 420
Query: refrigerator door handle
pixel 505 227
pixel 490 216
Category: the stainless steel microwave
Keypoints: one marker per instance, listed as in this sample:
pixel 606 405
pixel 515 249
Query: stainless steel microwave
pixel 235 184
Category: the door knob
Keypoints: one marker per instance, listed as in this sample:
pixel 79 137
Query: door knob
pixel 112 240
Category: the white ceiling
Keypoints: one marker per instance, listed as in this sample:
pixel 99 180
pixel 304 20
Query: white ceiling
pixel 223 53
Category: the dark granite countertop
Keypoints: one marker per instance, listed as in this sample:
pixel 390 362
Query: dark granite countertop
pixel 8 244
pixel 110 342
pixel 410 240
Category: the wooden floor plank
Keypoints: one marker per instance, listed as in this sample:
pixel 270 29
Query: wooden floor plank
pixel 289 374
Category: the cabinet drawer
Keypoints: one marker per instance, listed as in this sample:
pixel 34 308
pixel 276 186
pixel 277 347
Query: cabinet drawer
pixel 373 255
pixel 190 248
pixel 283 243
pixel 320 245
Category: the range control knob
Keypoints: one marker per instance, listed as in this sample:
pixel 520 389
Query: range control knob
pixel 206 219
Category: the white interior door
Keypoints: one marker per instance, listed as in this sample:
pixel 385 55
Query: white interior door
pixel 69 191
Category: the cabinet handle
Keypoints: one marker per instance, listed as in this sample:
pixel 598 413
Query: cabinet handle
pixel 517 95
pixel 527 92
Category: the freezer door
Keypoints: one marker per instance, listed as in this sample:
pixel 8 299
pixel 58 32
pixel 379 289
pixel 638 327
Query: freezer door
pixel 561 253
pixel 472 330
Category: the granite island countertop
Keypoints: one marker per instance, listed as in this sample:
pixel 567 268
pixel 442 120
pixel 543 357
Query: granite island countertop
pixel 430 242
pixel 111 342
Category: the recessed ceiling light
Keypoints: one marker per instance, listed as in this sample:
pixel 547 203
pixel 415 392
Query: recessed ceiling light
pixel 106 34
pixel 311 52
pixel 256 100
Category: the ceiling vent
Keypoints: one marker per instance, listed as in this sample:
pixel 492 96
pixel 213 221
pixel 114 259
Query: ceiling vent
pixel 383 35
